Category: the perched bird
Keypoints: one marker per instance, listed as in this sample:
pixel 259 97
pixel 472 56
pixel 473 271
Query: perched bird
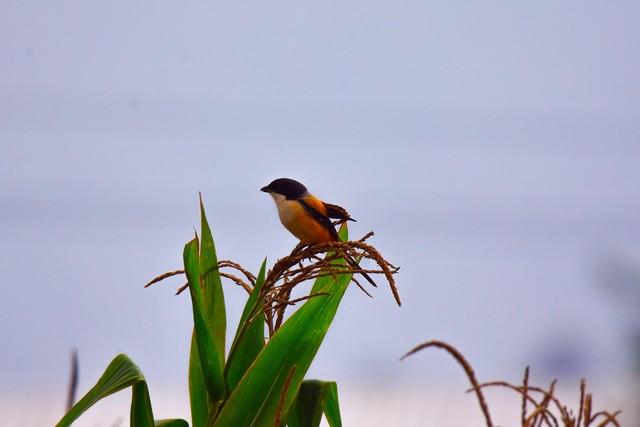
pixel 303 214
pixel 307 217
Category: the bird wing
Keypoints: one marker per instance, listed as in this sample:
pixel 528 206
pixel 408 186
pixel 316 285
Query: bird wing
pixel 337 212
pixel 326 223
pixel 320 217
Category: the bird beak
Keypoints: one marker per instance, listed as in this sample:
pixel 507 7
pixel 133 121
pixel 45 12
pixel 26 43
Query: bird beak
pixel 265 189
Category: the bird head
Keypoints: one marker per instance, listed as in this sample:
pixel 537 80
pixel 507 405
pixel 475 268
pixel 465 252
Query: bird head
pixel 286 188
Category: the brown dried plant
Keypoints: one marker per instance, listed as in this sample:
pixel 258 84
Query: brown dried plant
pixel 305 263
pixel 546 408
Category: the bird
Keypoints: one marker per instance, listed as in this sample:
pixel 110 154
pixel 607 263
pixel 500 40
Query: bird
pixel 307 217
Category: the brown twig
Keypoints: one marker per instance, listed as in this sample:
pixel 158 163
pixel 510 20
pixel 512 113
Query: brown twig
pixel 366 236
pixel 282 269
pixel 587 409
pixel 238 281
pixel 355 281
pixel 182 288
pixel 583 386
pixel 221 264
pixel 465 365
pixel 545 393
pixel 227 263
pixel 73 381
pixel 305 263
pixel 163 276
pixel 545 403
pixel 525 384
pixel 311 262
pixel 297 300
pixel 609 418
pixel 542 413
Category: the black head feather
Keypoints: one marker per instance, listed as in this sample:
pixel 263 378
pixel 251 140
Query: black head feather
pixel 290 188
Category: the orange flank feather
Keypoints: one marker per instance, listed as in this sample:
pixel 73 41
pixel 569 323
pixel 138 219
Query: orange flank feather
pixel 301 224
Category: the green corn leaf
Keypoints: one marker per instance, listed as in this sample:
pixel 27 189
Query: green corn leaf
pixel 172 423
pixel 141 413
pixel 197 388
pixel 332 406
pixel 207 348
pixel 121 373
pixel 213 295
pixel 256 398
pixel 315 398
pixel 249 339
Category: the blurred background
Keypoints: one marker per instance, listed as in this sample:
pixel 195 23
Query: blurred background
pixel 494 149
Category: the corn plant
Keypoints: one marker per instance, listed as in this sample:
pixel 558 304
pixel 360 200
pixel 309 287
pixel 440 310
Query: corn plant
pixel 258 382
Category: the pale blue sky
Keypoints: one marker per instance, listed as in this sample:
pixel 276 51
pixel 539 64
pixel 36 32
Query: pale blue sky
pixel 493 147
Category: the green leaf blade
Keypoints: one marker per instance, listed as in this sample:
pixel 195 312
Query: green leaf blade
pixel 306 410
pixel 249 338
pixel 120 374
pixel 315 398
pixel 212 288
pixel 332 406
pixel 141 414
pixel 255 400
pixel 198 399
pixel 207 349
pixel 172 423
